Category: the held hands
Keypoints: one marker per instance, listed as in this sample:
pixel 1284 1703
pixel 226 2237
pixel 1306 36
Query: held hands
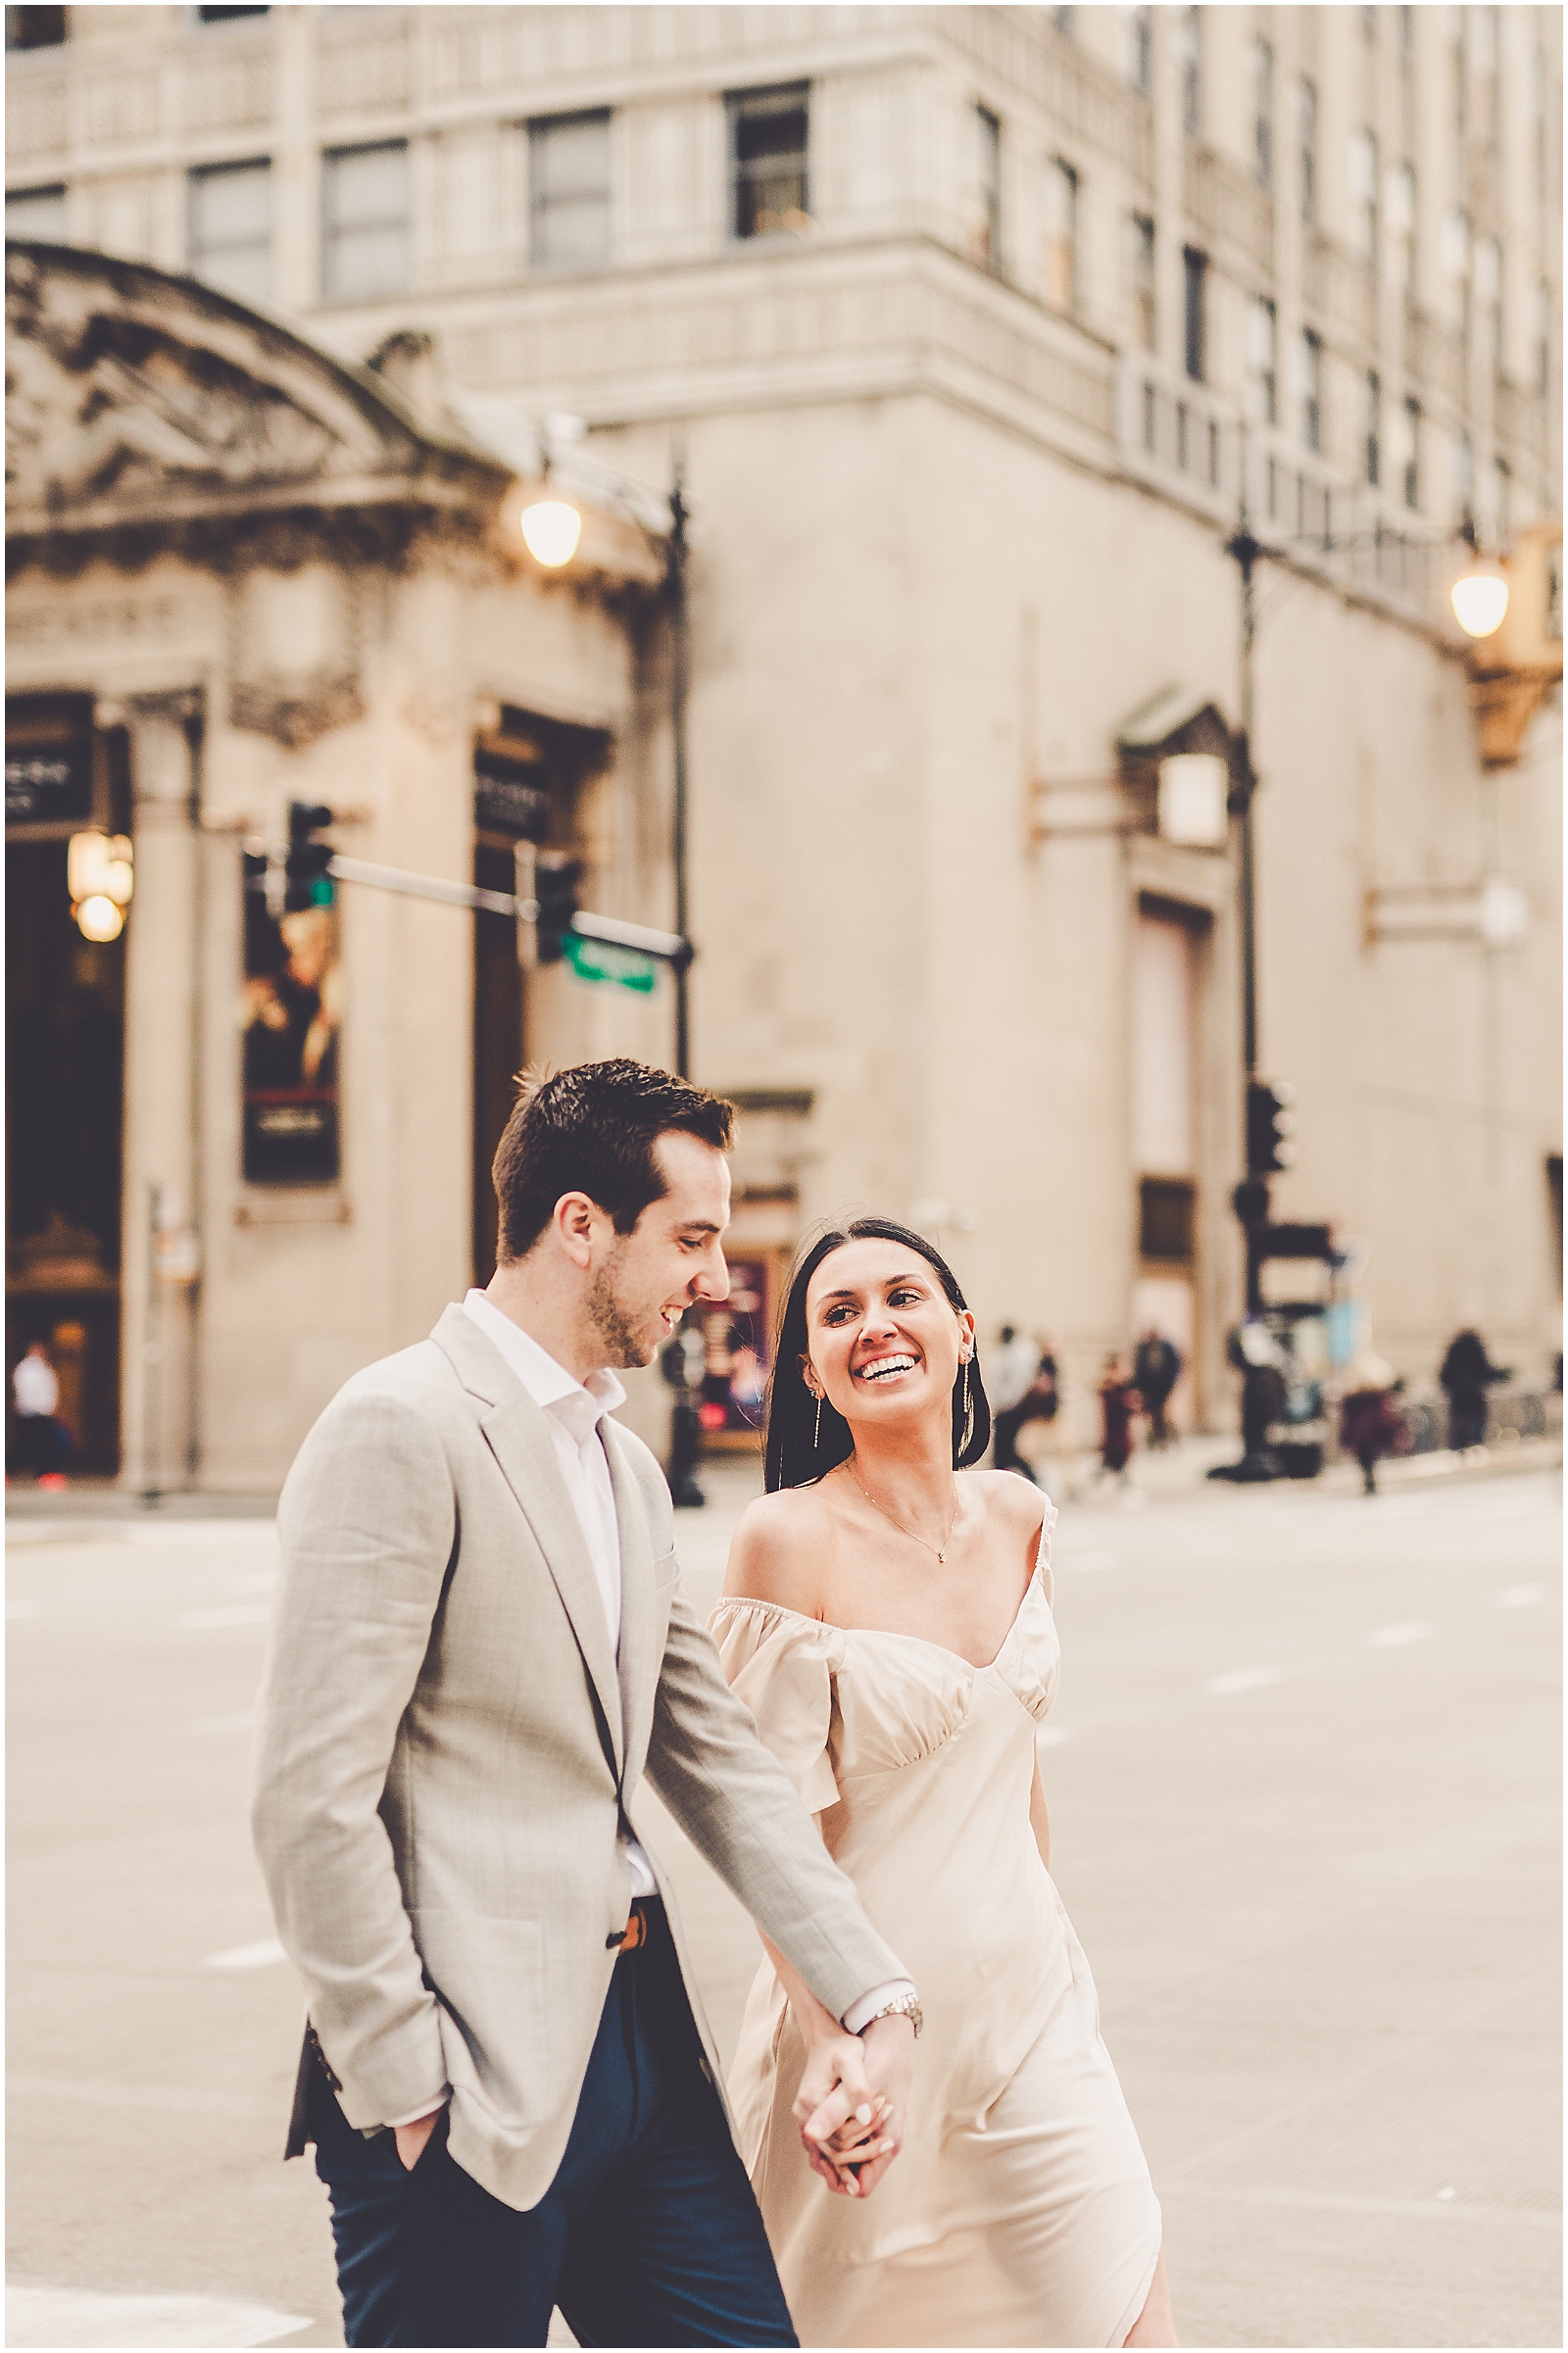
pixel 853 2103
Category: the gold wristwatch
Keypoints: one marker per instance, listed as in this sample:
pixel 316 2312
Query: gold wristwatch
pixel 903 2005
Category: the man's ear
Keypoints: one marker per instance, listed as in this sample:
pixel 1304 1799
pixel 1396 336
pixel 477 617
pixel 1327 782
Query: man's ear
pixel 573 1222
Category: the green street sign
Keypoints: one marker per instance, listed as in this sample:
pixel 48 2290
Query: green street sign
pixel 598 960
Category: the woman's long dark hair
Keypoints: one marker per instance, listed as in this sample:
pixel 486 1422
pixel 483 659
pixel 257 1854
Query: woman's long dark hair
pixel 793 1457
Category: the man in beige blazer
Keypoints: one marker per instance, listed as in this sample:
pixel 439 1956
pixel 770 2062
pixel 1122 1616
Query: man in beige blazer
pixel 480 1652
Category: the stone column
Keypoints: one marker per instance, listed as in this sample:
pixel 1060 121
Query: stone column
pixel 163 1108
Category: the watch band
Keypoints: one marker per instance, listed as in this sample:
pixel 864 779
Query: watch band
pixel 903 2005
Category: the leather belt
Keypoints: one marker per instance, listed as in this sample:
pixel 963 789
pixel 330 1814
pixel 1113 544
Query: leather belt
pixel 636 1930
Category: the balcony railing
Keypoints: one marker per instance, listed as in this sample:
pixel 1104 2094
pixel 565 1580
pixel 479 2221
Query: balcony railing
pixel 1340 289
pixel 1434 356
pixel 1178 436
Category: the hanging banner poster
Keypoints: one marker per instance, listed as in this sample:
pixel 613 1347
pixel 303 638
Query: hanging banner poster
pixel 289 1013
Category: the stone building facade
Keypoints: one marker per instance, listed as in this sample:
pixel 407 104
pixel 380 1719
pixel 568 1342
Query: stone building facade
pixel 971 326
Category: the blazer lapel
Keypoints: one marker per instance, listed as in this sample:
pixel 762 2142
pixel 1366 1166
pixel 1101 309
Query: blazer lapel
pixel 639 1632
pixel 517 1434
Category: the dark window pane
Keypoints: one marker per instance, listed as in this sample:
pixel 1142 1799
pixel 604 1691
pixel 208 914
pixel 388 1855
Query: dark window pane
pixel 1165 1218
pixel 768 130
pixel 34 27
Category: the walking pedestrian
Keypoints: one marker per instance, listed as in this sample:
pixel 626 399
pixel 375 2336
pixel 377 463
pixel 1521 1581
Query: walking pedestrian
pixel 480 1651
pixel 1119 1402
pixel 1156 1369
pixel 1370 1423
pixel 1017 1359
pixel 43 1442
pixel 1467 1374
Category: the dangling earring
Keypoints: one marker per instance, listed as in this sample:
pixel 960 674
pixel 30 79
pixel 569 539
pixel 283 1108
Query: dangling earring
pixel 817 1427
pixel 968 1411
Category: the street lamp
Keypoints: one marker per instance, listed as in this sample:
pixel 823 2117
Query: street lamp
pixel 1480 595
pixel 550 530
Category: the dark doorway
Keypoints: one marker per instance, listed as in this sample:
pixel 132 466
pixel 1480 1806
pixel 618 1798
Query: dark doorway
pixel 65 1088
pixel 497 1055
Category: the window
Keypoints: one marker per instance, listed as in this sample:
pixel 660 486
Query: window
pixel 365 222
pixel 988 160
pixel 1194 274
pixel 1455 252
pixel 1373 452
pixel 769 191
pixel 39 213
pixel 1410 453
pixel 1364 195
pixel 1487 282
pixel 1262 360
pixel 1062 238
pixel 1138 49
pixel 1141 252
pixel 1543 340
pixel 34 27
pixel 1406 38
pixel 1401 225
pixel 223 16
pixel 1263 113
pixel 1461 476
pixel 1190 61
pixel 1310 363
pixel 1307 147
pixel 229 228
pixel 568 192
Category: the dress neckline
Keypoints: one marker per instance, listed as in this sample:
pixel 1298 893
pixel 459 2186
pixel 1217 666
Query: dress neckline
pixel 886 1633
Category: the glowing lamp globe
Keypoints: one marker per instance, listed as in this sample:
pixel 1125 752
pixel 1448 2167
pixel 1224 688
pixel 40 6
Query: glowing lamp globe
pixel 1481 598
pixel 550 530
pixel 99 918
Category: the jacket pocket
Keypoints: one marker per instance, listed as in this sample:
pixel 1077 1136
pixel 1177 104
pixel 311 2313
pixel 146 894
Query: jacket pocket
pixel 488 1975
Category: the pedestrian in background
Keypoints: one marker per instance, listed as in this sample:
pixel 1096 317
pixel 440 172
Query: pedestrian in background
pixel 1036 1421
pixel 1156 1369
pixel 1017 1359
pixel 1467 1374
pixel 42 1440
pixel 1119 1402
pixel 1370 1423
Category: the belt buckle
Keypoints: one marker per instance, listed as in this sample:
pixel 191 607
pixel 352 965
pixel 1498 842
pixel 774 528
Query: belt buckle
pixel 636 1930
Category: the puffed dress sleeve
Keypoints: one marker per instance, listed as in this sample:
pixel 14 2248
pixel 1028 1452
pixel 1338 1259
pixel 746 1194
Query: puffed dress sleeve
pixel 785 1667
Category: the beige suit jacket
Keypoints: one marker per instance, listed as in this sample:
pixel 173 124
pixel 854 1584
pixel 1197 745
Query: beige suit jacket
pixel 448 1747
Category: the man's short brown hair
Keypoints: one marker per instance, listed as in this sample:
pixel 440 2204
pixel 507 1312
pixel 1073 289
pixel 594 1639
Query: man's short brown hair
pixel 592 1129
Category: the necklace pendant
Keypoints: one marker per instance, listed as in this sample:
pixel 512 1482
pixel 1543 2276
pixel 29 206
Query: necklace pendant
pixel 942 1560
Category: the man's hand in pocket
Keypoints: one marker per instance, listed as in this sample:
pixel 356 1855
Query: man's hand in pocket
pixel 410 2138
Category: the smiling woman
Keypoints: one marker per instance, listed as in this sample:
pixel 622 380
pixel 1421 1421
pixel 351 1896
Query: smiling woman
pixel 887 1620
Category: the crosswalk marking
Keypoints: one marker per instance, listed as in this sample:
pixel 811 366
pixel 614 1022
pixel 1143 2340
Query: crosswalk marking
pixel 248 1956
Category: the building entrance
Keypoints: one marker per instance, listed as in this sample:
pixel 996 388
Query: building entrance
pixel 65 1089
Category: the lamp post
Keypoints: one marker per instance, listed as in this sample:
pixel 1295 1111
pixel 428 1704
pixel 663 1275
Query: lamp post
pixel 1480 600
pixel 551 528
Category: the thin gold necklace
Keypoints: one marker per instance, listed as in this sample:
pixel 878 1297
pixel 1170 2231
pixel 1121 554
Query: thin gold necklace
pixel 941 1550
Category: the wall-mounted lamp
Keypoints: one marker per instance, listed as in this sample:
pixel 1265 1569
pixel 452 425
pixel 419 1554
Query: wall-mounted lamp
pixel 1193 797
pixel 100 875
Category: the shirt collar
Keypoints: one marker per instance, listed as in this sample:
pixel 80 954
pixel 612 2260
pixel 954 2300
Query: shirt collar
pixel 581 1404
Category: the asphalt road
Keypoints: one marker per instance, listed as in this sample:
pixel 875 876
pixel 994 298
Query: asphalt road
pixel 1304 1775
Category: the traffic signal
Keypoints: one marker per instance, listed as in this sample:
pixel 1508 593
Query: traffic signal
pixel 1269 1127
pixel 555 886
pixel 307 880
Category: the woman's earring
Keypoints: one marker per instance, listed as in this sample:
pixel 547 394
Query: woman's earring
pixel 968 1412
pixel 816 1428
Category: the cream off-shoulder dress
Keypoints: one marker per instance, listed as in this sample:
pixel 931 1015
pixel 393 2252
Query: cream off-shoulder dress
pixel 1020 2211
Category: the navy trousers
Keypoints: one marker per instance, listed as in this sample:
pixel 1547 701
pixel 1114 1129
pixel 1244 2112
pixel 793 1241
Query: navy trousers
pixel 649 2234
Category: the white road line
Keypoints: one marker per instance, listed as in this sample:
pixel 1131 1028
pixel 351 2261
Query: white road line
pixel 210 1621
pixel 1518 1596
pixel 247 1956
pixel 1243 1679
pixel 84 2315
pixel 1394 1638
pixel 220 1724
